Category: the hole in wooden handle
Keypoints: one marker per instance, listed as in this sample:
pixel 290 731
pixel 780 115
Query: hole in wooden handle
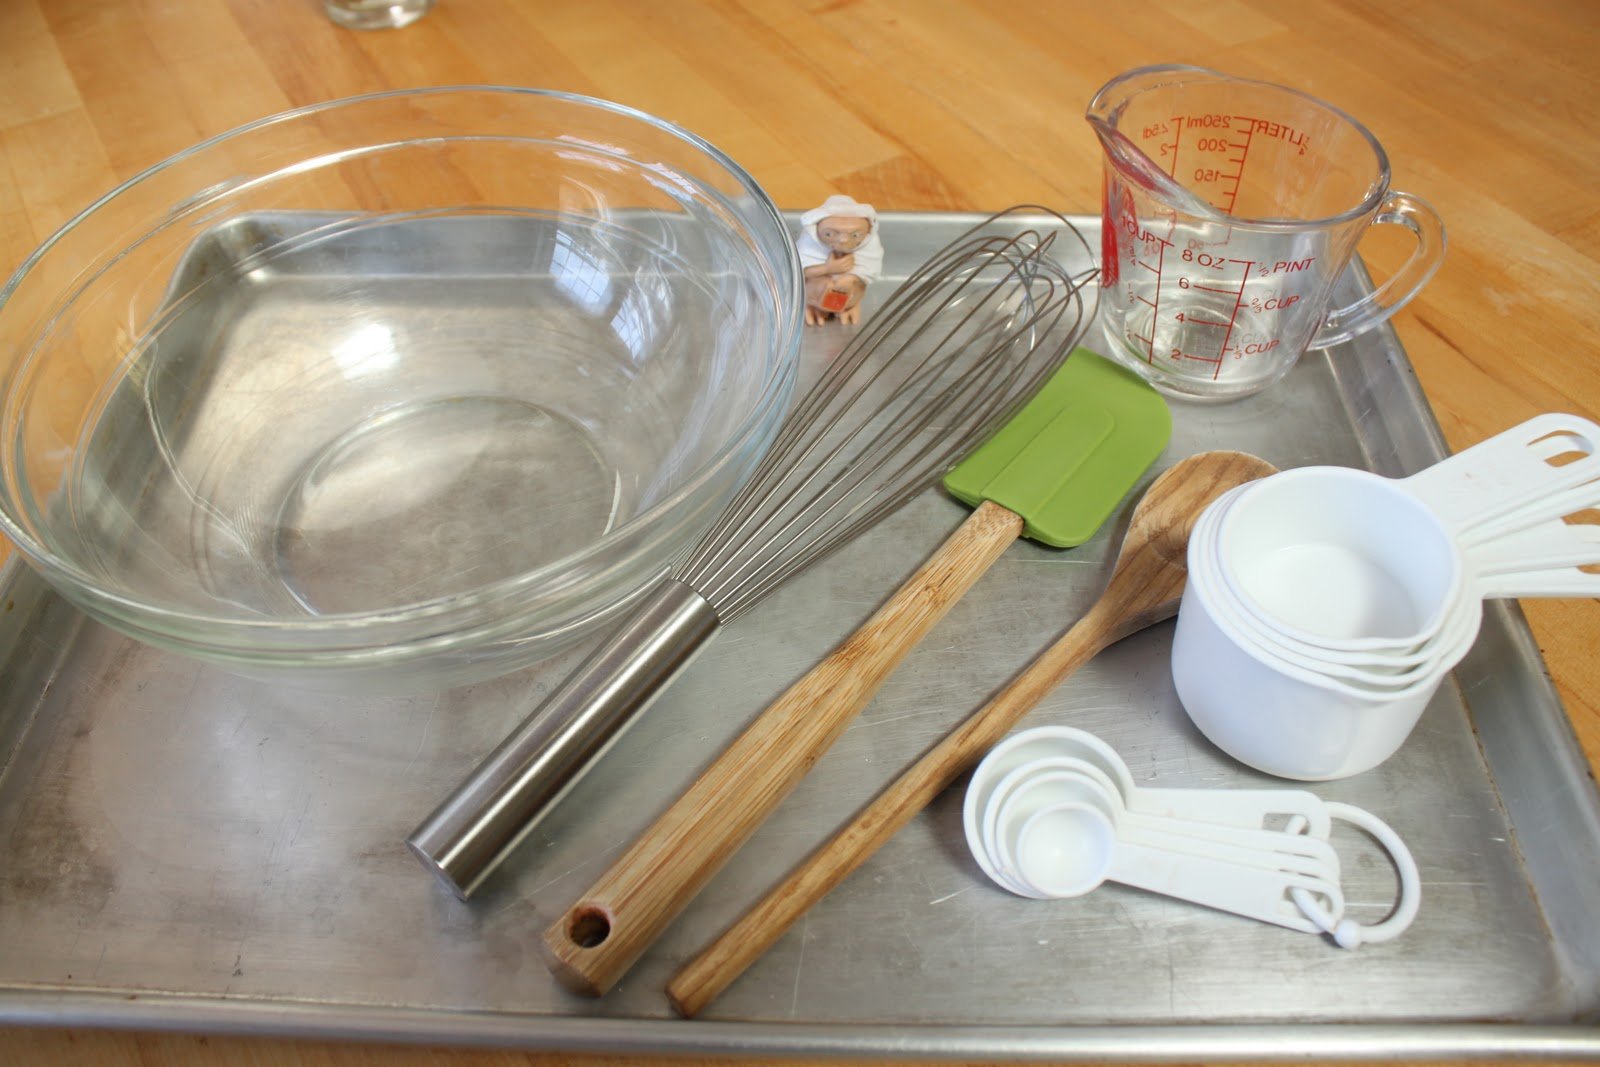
pixel 589 928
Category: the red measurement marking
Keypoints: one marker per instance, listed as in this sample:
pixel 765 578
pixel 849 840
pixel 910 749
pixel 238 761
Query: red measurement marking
pixel 1227 184
pixel 1233 316
pixel 1144 239
pixel 1177 136
pixel 1155 307
pixel 1244 154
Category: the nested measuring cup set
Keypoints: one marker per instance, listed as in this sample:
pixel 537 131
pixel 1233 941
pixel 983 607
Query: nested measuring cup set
pixel 1325 605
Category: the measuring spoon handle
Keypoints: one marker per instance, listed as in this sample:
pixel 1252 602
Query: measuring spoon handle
pixel 1250 809
pixel 1254 892
pixel 1271 848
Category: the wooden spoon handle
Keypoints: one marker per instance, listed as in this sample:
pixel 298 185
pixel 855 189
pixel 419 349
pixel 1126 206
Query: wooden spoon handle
pixel 599 937
pixel 709 973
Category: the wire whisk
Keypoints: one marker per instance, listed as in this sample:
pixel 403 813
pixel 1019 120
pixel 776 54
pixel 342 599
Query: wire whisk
pixel 947 359
pixel 967 337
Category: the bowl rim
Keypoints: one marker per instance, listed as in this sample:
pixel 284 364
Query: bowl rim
pixel 199 631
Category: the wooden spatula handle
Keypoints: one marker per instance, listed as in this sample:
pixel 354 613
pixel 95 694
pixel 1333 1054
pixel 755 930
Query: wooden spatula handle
pixel 598 938
pixel 709 973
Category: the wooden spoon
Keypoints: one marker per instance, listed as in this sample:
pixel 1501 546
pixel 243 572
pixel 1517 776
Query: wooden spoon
pixel 1146 584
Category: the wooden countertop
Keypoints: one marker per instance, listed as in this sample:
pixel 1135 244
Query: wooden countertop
pixel 1488 109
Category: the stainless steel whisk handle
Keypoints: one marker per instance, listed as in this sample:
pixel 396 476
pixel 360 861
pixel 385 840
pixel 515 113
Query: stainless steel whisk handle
pixel 482 821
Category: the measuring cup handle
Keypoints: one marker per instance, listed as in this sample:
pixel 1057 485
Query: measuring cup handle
pixel 1400 209
pixel 1559 582
pixel 1537 470
pixel 1549 545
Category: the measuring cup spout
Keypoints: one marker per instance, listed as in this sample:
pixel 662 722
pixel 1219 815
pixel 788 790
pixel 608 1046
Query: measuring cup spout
pixel 1105 113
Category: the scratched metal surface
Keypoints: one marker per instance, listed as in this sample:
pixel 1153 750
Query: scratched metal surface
pixel 188 849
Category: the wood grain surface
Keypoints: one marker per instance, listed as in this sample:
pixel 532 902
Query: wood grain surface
pixel 1488 109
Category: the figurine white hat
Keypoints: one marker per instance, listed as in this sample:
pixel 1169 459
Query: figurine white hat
pixel 840 207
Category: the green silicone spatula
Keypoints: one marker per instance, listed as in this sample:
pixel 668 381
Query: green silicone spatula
pixel 1053 473
pixel 1070 455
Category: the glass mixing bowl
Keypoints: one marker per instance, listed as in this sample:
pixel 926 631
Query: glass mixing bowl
pixel 397 392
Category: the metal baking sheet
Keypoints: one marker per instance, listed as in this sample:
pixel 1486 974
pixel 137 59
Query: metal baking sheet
pixel 189 850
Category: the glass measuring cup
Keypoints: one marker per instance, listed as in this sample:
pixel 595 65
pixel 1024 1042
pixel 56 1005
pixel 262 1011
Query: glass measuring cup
pixel 1230 208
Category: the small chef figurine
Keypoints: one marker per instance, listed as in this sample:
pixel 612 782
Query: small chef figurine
pixel 840 252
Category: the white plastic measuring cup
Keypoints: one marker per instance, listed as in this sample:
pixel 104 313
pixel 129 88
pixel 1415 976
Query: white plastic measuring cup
pixel 1280 718
pixel 1271 645
pixel 1338 557
pixel 1297 719
pixel 1277 699
pixel 1230 209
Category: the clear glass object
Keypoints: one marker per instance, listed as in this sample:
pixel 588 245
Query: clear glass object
pixel 397 392
pixel 376 14
pixel 1230 209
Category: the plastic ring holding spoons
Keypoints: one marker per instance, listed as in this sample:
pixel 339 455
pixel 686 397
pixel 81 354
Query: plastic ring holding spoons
pixel 1044 822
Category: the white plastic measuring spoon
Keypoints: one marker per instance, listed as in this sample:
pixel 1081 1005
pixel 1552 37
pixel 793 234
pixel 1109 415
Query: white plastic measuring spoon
pixel 1043 781
pixel 1072 848
pixel 1065 826
pixel 1265 807
pixel 1259 850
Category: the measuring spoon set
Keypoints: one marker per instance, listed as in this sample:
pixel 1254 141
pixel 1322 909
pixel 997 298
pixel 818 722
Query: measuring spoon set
pixel 1325 605
pixel 1054 812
